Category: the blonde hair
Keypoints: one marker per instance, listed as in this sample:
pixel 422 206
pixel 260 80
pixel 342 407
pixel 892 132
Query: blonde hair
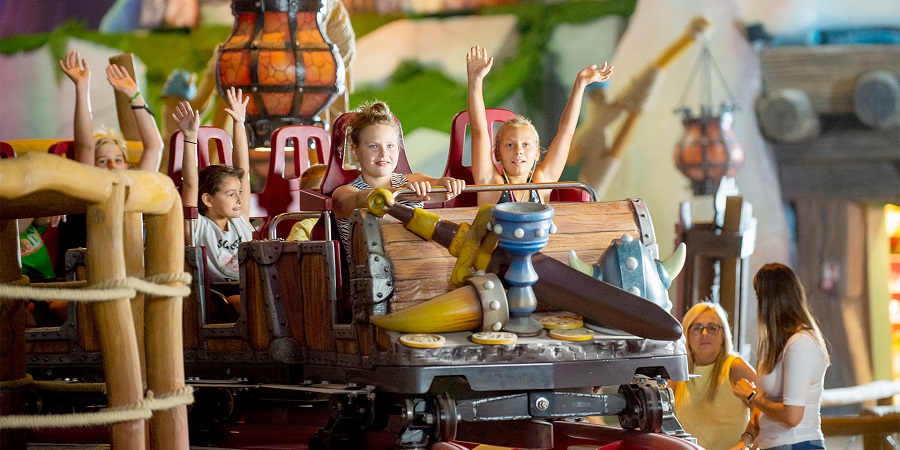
pixel 376 113
pixel 721 372
pixel 517 121
pixel 105 136
pixel 782 311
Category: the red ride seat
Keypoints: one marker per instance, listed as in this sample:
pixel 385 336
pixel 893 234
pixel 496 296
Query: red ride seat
pixel 6 151
pixel 220 137
pixel 282 194
pixel 455 167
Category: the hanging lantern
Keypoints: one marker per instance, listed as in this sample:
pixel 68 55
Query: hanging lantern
pixel 278 54
pixel 709 149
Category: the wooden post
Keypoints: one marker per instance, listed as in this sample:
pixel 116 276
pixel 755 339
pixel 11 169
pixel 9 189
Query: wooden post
pixel 12 336
pixel 127 123
pixel 118 344
pixel 163 316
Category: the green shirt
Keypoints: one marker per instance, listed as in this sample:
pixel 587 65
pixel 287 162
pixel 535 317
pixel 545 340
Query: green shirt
pixel 35 258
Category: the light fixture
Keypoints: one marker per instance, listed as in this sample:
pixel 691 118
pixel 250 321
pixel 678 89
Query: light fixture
pixel 278 54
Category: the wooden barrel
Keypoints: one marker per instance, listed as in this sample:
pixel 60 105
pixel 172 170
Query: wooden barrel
pixel 876 99
pixel 411 270
pixel 788 115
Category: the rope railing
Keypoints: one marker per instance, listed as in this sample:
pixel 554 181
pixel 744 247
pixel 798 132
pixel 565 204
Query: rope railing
pixel 153 286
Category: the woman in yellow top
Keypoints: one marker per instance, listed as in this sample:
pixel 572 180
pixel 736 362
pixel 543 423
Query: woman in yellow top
pixel 705 405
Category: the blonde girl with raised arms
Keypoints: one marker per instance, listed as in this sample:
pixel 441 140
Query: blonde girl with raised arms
pixel 517 145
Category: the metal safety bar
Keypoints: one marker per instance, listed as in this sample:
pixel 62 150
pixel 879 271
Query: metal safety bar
pixel 506 187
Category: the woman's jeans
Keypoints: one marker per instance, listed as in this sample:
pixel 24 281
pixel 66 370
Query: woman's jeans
pixel 808 445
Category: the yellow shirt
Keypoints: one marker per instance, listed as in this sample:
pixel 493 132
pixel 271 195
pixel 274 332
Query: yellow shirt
pixel 302 230
pixel 717 425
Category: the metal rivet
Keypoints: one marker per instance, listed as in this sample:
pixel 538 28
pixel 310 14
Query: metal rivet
pixel 542 404
pixel 495 305
pixel 498 229
pixel 635 290
pixel 631 263
pixel 627 238
pixel 552 228
pixel 539 233
pixel 519 233
pixel 497 326
pixel 488 284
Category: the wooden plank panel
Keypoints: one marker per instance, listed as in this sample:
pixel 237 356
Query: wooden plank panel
pixel 316 307
pixel 859 181
pixel 828 73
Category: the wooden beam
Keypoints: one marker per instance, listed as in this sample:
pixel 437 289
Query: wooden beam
pixel 828 73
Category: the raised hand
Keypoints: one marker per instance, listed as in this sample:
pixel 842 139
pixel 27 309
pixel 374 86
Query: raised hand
pixel 120 80
pixel 76 68
pixel 478 63
pixel 237 104
pixel 187 119
pixel 592 74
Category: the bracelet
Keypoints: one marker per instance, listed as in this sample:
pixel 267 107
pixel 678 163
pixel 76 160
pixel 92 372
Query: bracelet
pixel 750 445
pixel 136 94
pixel 751 396
pixel 190 142
pixel 144 106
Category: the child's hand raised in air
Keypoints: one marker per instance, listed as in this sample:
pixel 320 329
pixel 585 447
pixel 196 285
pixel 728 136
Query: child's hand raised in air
pixel 76 68
pixel 121 81
pixel 237 104
pixel 188 119
pixel 478 63
pixel 592 74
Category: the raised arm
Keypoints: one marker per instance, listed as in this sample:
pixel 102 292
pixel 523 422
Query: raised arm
pixel 237 109
pixel 188 121
pixel 76 68
pixel 554 161
pixel 478 64
pixel 122 82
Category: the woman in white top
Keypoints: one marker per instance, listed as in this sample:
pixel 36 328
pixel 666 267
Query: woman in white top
pixel 791 370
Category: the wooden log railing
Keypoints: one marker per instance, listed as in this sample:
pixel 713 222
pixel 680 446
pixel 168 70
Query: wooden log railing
pixel 39 185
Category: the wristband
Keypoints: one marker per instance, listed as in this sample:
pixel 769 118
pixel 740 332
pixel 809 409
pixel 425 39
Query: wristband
pixel 136 94
pixel 144 106
pixel 751 396
pixel 190 142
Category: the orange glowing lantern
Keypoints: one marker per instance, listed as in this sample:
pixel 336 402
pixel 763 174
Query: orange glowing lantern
pixel 278 54
pixel 709 150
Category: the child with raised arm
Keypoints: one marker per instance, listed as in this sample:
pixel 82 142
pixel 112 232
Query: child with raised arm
pixel 517 146
pixel 372 144
pixel 103 148
pixel 220 193
pixel 106 148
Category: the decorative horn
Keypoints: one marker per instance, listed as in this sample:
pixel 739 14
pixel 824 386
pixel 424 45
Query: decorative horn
pixel 675 262
pixel 578 264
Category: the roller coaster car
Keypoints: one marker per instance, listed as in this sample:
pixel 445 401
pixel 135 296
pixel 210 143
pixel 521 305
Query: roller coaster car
pixel 306 326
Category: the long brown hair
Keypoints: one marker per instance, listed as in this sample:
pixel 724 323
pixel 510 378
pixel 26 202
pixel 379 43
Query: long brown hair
pixel 782 311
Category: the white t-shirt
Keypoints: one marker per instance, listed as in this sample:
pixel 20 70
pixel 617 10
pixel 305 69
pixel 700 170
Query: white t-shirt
pixel 796 380
pixel 222 246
